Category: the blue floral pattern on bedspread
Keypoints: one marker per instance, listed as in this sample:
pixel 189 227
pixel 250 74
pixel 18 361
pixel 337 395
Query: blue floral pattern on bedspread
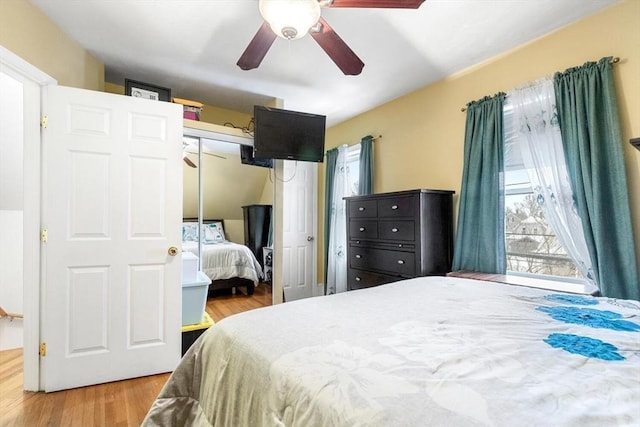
pixel 585 346
pixel 572 299
pixel 582 345
pixel 591 317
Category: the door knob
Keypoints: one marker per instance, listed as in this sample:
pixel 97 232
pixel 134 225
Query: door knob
pixel 173 251
pixel 309 238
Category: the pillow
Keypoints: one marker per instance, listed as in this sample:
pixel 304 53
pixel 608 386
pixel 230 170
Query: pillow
pixel 189 232
pixel 213 232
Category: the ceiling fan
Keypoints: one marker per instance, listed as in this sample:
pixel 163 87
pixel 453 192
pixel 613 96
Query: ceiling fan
pixel 293 19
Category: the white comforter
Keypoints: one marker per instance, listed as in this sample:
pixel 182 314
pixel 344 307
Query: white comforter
pixel 226 260
pixel 422 352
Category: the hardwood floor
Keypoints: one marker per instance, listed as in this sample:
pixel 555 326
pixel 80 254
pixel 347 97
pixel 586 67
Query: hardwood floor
pixel 121 403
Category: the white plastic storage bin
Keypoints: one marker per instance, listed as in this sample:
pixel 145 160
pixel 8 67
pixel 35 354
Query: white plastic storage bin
pixel 189 267
pixel 194 299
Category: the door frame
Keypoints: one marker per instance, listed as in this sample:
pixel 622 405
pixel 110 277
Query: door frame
pixel 31 216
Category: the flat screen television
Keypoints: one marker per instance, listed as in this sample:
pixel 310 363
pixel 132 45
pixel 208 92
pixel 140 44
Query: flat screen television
pixel 289 135
pixel 247 157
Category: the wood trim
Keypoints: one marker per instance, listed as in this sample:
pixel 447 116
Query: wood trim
pixel 531 282
pixel 35 84
pixel 24 68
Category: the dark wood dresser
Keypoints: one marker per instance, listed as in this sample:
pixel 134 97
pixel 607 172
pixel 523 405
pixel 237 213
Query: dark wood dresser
pixel 400 235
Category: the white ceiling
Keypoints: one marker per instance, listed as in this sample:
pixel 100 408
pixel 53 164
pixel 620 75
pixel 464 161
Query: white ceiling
pixel 192 47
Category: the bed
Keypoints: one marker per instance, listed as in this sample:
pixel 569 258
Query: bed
pixel 431 351
pixel 227 264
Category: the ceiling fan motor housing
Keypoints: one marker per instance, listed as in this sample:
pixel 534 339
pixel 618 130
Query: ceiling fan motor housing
pixel 289 33
pixel 290 19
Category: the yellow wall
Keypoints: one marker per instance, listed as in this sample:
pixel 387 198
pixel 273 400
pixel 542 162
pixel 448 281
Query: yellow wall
pixel 30 34
pixel 227 186
pixel 423 132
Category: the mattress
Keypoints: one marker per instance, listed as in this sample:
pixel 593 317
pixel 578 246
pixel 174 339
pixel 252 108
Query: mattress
pixel 226 260
pixel 434 351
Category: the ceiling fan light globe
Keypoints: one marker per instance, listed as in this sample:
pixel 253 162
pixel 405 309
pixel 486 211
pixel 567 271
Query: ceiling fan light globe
pixel 290 19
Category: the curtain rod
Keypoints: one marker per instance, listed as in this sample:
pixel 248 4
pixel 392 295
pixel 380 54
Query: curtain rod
pixel 374 138
pixel 614 60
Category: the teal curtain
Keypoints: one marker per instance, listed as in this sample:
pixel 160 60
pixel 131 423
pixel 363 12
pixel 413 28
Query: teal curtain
pixel 592 142
pixel 480 241
pixel 366 166
pixel 330 171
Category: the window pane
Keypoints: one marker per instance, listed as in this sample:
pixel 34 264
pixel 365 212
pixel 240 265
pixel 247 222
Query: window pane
pixel 531 245
pixel 353 170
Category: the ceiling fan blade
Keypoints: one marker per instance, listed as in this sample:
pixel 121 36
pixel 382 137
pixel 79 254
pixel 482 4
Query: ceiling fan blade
pixel 207 153
pixel 390 4
pixel 336 48
pixel 257 48
pixel 189 162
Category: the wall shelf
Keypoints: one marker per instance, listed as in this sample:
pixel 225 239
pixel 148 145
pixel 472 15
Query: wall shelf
pixel 206 130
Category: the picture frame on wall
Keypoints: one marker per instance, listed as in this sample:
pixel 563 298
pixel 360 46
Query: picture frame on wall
pixel 146 91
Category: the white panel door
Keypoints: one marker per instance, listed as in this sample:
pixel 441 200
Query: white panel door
pixel 112 207
pixel 299 229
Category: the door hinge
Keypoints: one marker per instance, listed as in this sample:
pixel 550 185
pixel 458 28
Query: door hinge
pixel 43 349
pixel 44 121
pixel 44 235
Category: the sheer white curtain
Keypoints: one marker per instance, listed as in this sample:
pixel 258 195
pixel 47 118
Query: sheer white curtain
pixel 345 184
pixel 337 254
pixel 535 116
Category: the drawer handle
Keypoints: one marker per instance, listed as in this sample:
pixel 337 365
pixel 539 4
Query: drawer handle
pixel 362 229
pixel 361 208
pixel 394 230
pixel 358 279
pixel 400 261
pixel 394 207
pixel 358 256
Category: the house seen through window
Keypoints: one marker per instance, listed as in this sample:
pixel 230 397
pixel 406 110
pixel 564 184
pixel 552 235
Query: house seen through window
pixel 531 245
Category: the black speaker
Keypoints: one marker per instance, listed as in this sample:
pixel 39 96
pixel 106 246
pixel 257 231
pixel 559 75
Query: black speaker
pixel 635 142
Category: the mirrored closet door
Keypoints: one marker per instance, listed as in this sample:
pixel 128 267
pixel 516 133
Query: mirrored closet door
pixel 230 202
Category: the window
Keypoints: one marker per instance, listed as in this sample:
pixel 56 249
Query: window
pixel 352 165
pixel 531 245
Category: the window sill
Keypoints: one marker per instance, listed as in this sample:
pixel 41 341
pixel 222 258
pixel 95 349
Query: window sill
pixel 574 287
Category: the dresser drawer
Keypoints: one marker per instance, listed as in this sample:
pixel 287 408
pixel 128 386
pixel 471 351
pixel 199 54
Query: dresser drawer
pixel 396 207
pixel 363 229
pixel 397 230
pixel 402 246
pixel 360 279
pixel 363 209
pixel 383 260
